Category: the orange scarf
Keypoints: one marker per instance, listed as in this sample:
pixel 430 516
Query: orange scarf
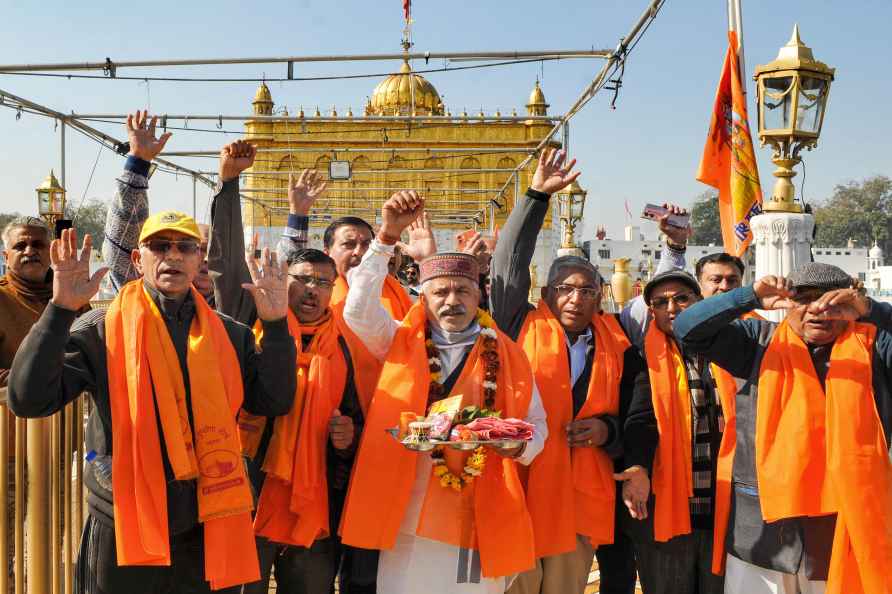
pixel 293 506
pixel 672 482
pixel 571 491
pixel 141 361
pixel 726 386
pixel 393 296
pixel 821 452
pixel 384 472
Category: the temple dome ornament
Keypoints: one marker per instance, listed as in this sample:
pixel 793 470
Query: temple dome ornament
pixel 537 105
pixel 393 95
pixel 263 100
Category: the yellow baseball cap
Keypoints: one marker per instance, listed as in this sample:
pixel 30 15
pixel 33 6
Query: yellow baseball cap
pixel 169 220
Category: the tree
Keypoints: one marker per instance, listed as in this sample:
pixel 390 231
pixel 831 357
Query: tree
pixel 90 218
pixel 705 219
pixel 861 211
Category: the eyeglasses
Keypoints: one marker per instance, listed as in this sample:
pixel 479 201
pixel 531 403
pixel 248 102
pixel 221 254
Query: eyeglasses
pixel 678 299
pixel 569 290
pixel 313 281
pixel 162 246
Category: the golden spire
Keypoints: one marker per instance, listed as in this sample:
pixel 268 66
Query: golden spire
pixel 263 101
pixel 300 113
pixel 537 105
pixel 334 111
pixel 349 111
pixel 318 113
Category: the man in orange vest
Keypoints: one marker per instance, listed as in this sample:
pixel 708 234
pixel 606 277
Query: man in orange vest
pixel 811 486
pixel 455 522
pixel 346 240
pixel 596 395
pixel 300 463
pixel 674 547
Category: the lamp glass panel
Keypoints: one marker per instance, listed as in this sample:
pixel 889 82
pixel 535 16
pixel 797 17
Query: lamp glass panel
pixel 776 102
pixel 565 206
pixel 43 202
pixel 57 200
pixel 576 206
pixel 812 95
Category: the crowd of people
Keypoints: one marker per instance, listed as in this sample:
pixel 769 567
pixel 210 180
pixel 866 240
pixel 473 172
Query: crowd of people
pixel 243 399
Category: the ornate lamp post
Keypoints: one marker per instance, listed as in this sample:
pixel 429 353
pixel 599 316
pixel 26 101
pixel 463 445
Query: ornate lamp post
pixel 572 205
pixel 792 93
pixel 51 200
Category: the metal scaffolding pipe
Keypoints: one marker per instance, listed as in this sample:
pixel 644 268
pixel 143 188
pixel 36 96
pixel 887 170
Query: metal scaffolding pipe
pixel 5 419
pixel 328 119
pixel 19 571
pixel 109 65
pixel 356 172
pixel 372 149
pixel 388 189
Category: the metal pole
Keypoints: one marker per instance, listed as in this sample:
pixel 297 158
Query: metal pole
pixel 418 149
pixel 62 155
pixel 20 438
pixel 326 119
pixel 55 469
pixel 5 418
pixel 38 505
pixel 465 56
pixel 68 507
pixel 194 199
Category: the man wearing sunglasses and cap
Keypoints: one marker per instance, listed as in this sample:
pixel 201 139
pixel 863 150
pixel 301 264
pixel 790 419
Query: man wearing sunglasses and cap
pixel 674 545
pixel 168 497
pixel 811 487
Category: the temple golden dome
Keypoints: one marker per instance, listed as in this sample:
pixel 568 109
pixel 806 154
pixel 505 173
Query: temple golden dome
pixel 537 105
pixel 263 100
pixel 393 95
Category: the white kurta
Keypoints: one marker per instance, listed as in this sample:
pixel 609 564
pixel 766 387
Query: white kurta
pixel 418 564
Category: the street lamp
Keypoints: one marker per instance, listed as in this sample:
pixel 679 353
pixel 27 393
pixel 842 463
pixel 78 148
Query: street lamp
pixel 51 200
pixel 572 205
pixel 792 93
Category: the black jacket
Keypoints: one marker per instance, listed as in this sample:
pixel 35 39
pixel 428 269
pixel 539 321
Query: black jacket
pixel 57 362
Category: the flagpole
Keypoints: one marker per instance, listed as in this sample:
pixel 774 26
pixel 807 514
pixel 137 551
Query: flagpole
pixel 735 23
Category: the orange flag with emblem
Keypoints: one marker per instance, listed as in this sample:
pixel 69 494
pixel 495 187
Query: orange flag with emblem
pixel 729 161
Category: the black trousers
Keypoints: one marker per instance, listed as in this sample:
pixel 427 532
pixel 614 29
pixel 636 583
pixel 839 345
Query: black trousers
pixel 298 570
pixel 616 562
pixel 98 572
pixel 683 565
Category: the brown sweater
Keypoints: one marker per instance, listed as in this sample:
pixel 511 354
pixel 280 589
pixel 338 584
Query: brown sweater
pixel 18 313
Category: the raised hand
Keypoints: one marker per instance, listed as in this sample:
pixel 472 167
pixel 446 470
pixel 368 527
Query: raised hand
pixel 340 430
pixel 476 246
pixel 552 175
pixel 636 490
pixel 270 286
pixel 235 158
pixel 676 235
pixel 73 287
pixel 141 135
pixel 841 304
pixel 302 194
pixel 398 212
pixel 775 292
pixel 421 239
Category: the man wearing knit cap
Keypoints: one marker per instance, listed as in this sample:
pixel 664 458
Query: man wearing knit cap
pixel 811 487
pixel 440 529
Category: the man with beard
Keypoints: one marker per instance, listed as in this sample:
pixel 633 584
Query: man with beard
pixel 346 240
pixel 439 529
pixel 300 463
pixel 811 484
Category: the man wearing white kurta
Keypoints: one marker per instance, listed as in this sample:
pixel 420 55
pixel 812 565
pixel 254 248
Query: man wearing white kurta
pixel 417 564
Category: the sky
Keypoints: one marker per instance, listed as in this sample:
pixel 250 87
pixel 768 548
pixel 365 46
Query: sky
pixel 645 150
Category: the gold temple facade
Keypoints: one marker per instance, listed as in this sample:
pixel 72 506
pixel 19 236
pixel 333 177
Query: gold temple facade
pixel 462 163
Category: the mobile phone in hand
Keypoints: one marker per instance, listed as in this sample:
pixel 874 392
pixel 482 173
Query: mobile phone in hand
pixel 653 212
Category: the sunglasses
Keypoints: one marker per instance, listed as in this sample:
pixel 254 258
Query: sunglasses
pixel 313 281
pixel 162 246
pixel 679 299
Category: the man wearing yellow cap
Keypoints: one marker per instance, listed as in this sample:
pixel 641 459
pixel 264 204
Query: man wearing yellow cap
pixel 168 498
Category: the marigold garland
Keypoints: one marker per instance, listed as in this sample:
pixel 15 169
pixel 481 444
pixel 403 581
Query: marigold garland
pixel 490 355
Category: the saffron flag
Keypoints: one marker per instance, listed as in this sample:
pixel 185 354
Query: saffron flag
pixel 729 161
pixel 407 8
